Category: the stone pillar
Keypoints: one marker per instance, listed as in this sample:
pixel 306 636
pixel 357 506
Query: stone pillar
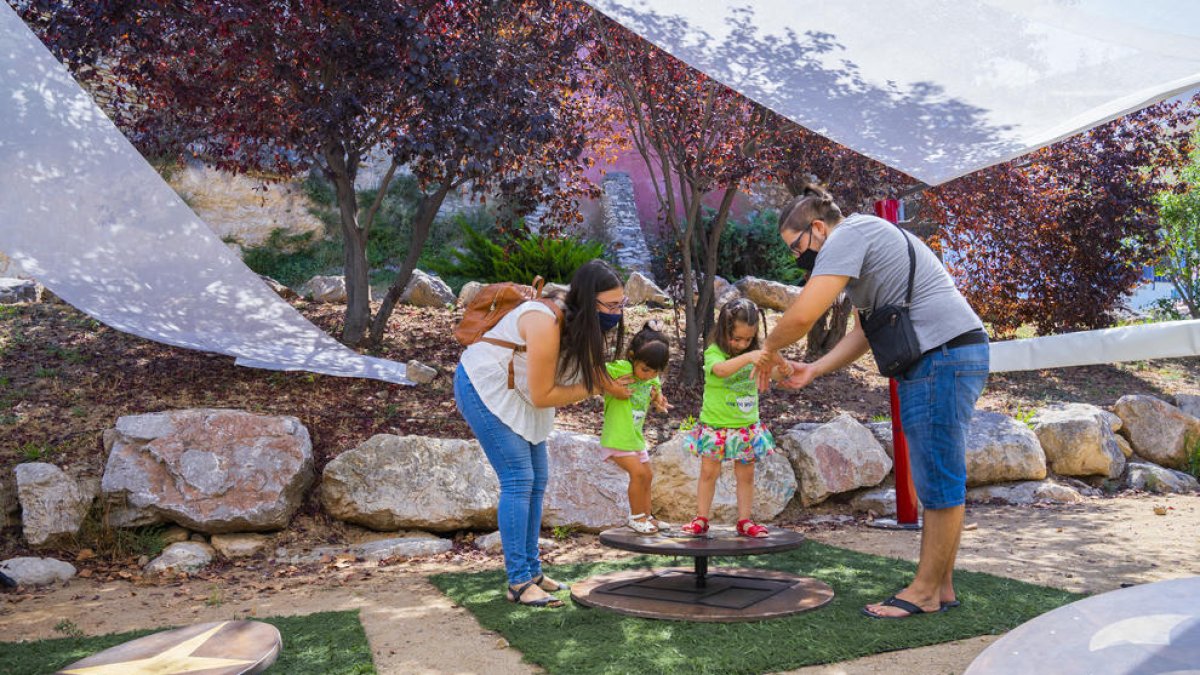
pixel 622 224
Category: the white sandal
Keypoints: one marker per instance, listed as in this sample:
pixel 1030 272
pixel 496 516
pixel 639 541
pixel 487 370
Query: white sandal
pixel 641 526
pixel 662 527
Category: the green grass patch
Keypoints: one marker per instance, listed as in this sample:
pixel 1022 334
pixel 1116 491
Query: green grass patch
pixel 576 639
pixel 322 643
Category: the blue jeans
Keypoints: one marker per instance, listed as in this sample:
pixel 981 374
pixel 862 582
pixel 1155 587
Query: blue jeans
pixel 523 471
pixel 937 400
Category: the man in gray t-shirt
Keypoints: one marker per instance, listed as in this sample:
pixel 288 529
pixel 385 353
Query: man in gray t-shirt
pixel 872 253
pixel 868 259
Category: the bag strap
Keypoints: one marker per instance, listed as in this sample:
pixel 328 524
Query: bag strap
pixel 912 265
pixel 521 349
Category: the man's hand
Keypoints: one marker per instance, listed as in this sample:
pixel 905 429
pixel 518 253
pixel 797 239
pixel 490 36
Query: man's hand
pixel 802 375
pixel 765 364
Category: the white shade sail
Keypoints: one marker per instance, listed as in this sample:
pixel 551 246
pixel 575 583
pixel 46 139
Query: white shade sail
pixel 82 211
pixel 934 88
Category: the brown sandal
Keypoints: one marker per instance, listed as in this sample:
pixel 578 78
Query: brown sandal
pixel 517 595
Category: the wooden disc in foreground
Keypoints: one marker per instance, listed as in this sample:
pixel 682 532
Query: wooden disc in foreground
pixel 730 594
pixel 219 648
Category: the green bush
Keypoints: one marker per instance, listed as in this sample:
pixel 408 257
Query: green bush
pixel 515 258
pixel 754 248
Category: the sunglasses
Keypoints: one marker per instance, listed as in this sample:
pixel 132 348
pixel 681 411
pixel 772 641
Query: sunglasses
pixel 614 307
pixel 794 247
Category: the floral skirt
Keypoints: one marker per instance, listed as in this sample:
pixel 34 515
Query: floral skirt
pixel 742 444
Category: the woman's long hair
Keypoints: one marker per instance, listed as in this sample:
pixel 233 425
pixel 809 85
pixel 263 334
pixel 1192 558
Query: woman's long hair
pixel 581 347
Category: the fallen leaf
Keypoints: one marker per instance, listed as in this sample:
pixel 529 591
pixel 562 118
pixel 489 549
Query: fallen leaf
pixel 1160 510
pixel 971 526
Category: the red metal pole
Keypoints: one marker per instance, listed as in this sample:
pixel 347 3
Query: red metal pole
pixel 906 494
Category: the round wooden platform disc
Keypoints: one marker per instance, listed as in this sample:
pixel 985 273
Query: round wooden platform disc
pixel 219 648
pixel 722 541
pixel 1152 629
pixel 786 594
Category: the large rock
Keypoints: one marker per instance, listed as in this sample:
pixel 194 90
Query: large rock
pixel 403 547
pixel 1027 492
pixel 1079 440
pixel 468 293
pixel 13 291
pixel 677 472
pixel 585 492
pixel 210 470
pixel 768 294
pixel 1155 478
pixel 883 434
pixel 1157 430
pixel 879 501
pixel 1001 449
pixel 640 290
pixel 187 556
pixel 396 482
pixel 725 294
pixel 419 372
pixel 331 289
pixel 839 456
pixel 53 504
pixel 1189 404
pixel 240 545
pixel 491 543
pixel 426 290
pixel 281 290
pixel 37 571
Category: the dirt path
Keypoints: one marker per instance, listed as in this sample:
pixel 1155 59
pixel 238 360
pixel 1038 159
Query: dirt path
pixel 1091 547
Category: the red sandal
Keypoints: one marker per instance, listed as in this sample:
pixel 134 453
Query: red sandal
pixel 697 528
pixel 749 528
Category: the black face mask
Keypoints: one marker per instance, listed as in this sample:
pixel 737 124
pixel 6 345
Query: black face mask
pixel 805 263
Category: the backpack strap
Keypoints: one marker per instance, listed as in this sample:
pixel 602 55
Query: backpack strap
pixel 521 349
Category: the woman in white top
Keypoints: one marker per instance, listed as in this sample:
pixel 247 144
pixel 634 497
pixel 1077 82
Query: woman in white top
pixel 562 364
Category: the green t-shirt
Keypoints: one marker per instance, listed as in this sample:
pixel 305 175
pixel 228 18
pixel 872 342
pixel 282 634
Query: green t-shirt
pixel 624 419
pixel 728 401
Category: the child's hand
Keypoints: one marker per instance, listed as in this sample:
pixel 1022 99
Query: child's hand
pixel 802 375
pixel 659 401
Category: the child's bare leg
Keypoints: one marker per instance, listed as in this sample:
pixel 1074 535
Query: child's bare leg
pixel 710 471
pixel 640 478
pixel 744 473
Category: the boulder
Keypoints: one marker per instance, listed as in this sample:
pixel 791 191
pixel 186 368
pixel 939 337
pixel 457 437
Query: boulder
pixel 1123 444
pixel 768 294
pixel 186 556
pixel 556 289
pixel 468 292
pixel 641 290
pixel 585 492
pixel 677 472
pixel 13 291
pixel 1001 449
pixel 491 543
pixel 1079 440
pixel 53 504
pixel 883 433
pixel 1157 430
pixel 281 290
pixel 28 571
pixel 331 289
pixel 240 545
pixel 1155 478
pixel 726 295
pixel 1027 492
pixel 403 547
pixel 839 456
pixel 881 501
pixel 394 482
pixel 175 534
pixel 1189 404
pixel 210 470
pixel 419 372
pixel 426 290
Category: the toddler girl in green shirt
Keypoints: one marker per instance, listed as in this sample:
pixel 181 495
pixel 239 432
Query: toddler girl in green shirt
pixel 621 439
pixel 729 428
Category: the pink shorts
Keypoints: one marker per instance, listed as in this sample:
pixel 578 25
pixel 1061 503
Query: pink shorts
pixel 610 453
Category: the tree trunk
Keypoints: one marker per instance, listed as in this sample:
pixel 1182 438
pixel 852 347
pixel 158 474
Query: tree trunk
pixel 342 171
pixel 692 365
pixel 828 330
pixel 422 223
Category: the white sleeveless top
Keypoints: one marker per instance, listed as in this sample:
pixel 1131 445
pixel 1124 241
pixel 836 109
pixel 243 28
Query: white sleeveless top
pixel 487 366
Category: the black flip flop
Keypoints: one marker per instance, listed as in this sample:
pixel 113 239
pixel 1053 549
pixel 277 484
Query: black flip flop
pixel 950 605
pixel 899 603
pixel 514 595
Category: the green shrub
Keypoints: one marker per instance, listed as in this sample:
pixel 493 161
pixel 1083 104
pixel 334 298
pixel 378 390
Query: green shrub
pixel 754 248
pixel 512 257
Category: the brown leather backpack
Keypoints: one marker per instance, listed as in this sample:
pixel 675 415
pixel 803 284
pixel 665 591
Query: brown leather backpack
pixel 490 305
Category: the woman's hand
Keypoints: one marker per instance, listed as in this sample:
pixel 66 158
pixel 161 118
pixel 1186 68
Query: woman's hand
pixel 618 388
pixel 659 401
pixel 802 375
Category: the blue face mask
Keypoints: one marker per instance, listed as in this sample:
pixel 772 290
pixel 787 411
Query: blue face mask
pixel 608 321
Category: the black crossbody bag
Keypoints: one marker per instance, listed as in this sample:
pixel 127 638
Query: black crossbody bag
pixel 889 328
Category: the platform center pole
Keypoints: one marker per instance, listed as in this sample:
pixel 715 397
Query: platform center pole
pixel 701 571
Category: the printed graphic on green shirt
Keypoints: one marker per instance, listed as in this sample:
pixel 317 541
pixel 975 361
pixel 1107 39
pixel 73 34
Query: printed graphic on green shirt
pixel 728 401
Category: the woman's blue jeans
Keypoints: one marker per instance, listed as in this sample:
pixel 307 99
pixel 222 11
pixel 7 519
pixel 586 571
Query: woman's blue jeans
pixel 522 469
